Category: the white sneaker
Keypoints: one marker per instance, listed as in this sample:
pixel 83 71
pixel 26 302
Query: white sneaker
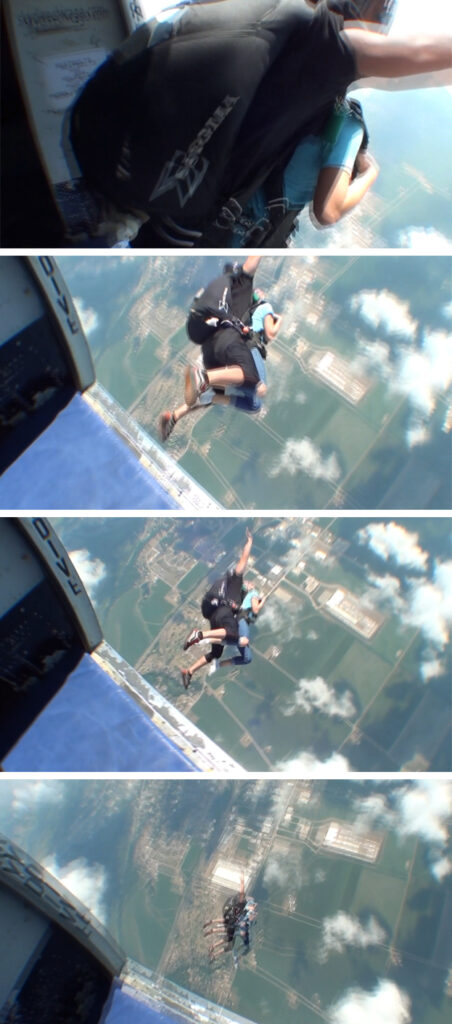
pixel 214 666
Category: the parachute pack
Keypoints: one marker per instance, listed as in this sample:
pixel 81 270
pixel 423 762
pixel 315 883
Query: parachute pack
pixel 214 308
pixel 214 597
pixel 233 907
pixel 211 309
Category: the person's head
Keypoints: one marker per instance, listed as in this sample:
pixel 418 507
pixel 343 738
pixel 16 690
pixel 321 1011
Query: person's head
pixel 375 14
pixel 246 587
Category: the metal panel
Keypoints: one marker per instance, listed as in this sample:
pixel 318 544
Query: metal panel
pixel 23 929
pixel 22 874
pixel 57 45
pixel 53 554
pixel 59 301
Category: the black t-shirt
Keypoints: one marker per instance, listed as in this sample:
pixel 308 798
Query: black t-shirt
pixel 224 617
pixel 185 124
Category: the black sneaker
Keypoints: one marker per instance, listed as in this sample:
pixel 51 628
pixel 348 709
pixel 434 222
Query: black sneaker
pixel 194 638
pixel 186 677
pixel 166 425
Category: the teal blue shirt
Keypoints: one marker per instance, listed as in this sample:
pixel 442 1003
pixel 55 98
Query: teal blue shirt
pixel 337 147
pixel 246 603
pixel 258 317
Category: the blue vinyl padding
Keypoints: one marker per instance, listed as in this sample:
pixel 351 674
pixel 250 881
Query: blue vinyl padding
pixel 79 462
pixel 93 725
pixel 125 1009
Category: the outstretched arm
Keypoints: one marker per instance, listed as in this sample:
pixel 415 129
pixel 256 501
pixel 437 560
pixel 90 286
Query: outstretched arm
pixel 392 57
pixel 251 264
pixel 336 194
pixel 243 560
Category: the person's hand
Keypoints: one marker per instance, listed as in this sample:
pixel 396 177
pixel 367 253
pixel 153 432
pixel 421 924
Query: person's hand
pixel 249 535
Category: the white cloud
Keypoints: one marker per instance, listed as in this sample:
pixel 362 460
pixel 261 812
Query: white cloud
pixel 384 309
pixel 282 618
pixel 374 354
pixel 27 796
pixel 285 870
pixel 306 456
pixel 425 809
pixel 417 432
pixel 90 569
pixel 385 592
pixel 430 606
pixel 88 317
pixel 443 579
pixel 422 375
pixel 305 765
pixel 431 668
pixel 393 541
pixel 387 1004
pixel 344 930
pixel 373 808
pixel 424 604
pixel 437 349
pixel 428 240
pixel 389 587
pixel 441 868
pixel 421 809
pixel 317 694
pixel 86 881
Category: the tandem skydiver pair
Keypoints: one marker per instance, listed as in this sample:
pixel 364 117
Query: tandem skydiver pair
pixel 233 324
pixel 186 123
pixel 230 605
pixel 239 913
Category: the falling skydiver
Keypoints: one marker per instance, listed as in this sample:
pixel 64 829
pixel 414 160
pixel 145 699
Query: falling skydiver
pixel 233 325
pixel 239 913
pixel 221 606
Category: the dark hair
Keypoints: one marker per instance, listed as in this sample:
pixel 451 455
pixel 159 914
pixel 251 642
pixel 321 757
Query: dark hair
pixel 378 12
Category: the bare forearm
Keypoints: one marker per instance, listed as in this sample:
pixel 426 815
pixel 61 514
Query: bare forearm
pixel 387 57
pixel 243 560
pixel 357 190
pixel 336 194
pixel 251 264
pixel 272 328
